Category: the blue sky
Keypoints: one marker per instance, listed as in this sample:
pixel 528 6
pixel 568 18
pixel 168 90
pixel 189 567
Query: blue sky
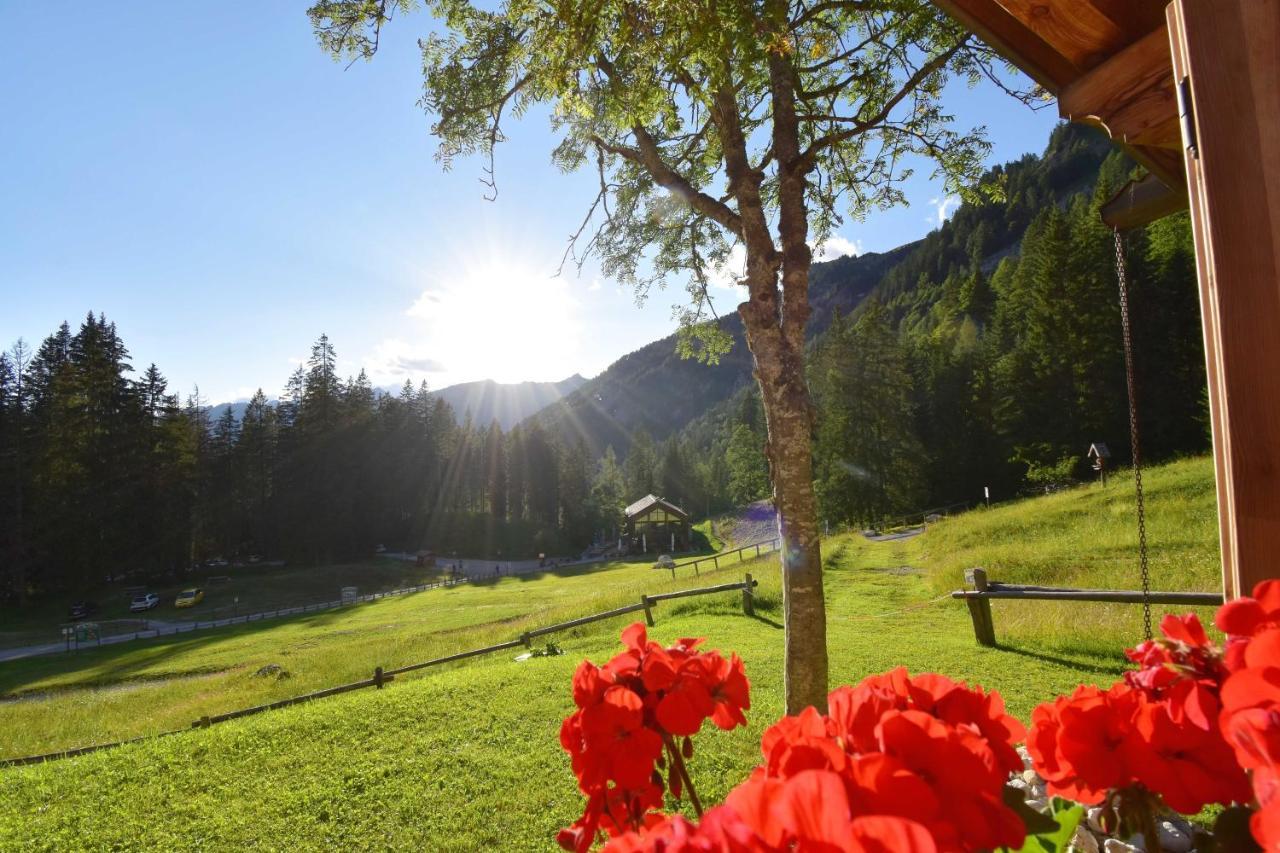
pixel 224 192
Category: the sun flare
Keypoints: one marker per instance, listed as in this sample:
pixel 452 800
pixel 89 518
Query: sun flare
pixel 497 319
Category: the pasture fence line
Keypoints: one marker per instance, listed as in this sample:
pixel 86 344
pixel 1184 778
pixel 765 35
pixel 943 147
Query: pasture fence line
pixel 765 546
pixel 382 677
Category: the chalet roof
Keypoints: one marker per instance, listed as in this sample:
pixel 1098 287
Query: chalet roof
pixel 1107 62
pixel 649 501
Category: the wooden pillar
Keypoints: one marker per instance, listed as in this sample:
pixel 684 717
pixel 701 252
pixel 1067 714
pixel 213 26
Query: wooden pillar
pixel 1226 64
pixel 984 626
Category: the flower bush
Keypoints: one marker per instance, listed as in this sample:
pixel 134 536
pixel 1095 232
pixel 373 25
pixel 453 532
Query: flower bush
pixel 922 763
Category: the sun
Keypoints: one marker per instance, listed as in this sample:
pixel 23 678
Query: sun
pixel 498 318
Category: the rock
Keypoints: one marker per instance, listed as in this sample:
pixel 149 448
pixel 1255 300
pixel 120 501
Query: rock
pixel 1084 841
pixel 1026 757
pixel 1031 777
pixel 1093 818
pixel 1115 845
pixel 1173 839
pixel 1015 782
pixel 1039 805
pixel 272 669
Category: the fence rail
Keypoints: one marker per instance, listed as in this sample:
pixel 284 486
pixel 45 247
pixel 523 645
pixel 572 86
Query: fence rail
pixel 768 546
pixel 381 676
pixel 979 599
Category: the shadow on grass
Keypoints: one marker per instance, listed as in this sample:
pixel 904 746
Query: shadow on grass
pixel 1086 663
pixel 766 620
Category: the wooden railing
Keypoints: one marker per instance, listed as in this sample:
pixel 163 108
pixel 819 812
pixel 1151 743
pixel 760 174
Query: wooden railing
pixel 760 548
pixel 979 599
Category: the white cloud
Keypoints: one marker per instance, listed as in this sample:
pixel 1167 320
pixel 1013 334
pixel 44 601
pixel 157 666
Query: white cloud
pixel 944 207
pixel 834 247
pixel 594 285
pixel 726 275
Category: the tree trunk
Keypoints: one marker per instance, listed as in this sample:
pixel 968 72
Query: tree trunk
pixel 788 416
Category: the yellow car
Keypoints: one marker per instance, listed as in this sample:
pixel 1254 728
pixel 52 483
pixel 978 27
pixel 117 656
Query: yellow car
pixel 189 597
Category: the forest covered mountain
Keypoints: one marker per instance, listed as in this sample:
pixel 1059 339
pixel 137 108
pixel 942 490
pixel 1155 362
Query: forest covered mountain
pixel 484 401
pixel 653 389
pixel 508 403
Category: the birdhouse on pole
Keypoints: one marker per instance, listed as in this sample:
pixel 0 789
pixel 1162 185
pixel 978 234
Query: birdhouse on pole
pixel 1100 453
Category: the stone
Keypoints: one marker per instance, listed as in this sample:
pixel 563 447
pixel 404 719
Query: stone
pixel 1031 777
pixel 1115 845
pixel 1015 782
pixel 272 669
pixel 1093 818
pixel 1172 839
pixel 1039 805
pixel 1084 841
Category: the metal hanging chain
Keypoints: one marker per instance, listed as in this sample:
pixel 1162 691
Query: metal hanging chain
pixel 1130 380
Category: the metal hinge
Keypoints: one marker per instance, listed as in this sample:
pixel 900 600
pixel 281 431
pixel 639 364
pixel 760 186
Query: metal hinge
pixel 1187 118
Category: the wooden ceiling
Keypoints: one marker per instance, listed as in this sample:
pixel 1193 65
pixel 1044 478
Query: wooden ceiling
pixel 1106 61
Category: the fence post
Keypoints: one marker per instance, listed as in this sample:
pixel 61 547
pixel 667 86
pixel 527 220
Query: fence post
pixel 648 610
pixel 748 604
pixel 377 677
pixel 984 629
pixel 715 561
pixel 527 640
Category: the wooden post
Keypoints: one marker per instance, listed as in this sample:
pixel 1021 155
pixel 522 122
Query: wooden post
pixel 984 629
pixel 1225 67
pixel 527 640
pixel 648 610
pixel 377 677
pixel 748 604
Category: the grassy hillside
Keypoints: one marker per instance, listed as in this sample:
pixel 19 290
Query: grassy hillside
pixel 120 691
pixel 466 757
pixel 1084 537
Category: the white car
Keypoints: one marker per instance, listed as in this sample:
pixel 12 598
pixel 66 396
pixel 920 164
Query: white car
pixel 144 602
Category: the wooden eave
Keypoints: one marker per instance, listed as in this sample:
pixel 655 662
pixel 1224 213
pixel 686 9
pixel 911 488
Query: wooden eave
pixel 1106 61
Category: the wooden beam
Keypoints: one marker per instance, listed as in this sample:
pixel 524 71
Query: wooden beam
pixel 1228 52
pixel 1078 31
pixel 1130 95
pixel 1013 40
pixel 1161 162
pixel 1134 17
pixel 1141 202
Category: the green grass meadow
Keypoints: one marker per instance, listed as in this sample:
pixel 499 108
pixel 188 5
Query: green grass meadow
pixel 466 756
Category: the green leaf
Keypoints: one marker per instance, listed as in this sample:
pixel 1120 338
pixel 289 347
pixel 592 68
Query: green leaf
pixel 1046 833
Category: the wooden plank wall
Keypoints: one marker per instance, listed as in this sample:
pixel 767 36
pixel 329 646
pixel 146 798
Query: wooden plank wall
pixel 1228 51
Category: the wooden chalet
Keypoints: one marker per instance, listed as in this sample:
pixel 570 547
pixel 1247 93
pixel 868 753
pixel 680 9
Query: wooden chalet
pixel 1191 90
pixel 655 524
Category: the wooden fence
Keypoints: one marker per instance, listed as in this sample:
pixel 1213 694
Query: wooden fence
pixel 764 547
pixel 381 676
pixel 979 599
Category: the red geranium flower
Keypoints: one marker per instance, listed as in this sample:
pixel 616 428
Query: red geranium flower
pixel 1245 616
pixel 629 711
pixel 1189 767
pixel 1075 741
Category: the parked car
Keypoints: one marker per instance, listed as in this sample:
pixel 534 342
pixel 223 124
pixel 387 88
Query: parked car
pixel 144 602
pixel 82 610
pixel 189 597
